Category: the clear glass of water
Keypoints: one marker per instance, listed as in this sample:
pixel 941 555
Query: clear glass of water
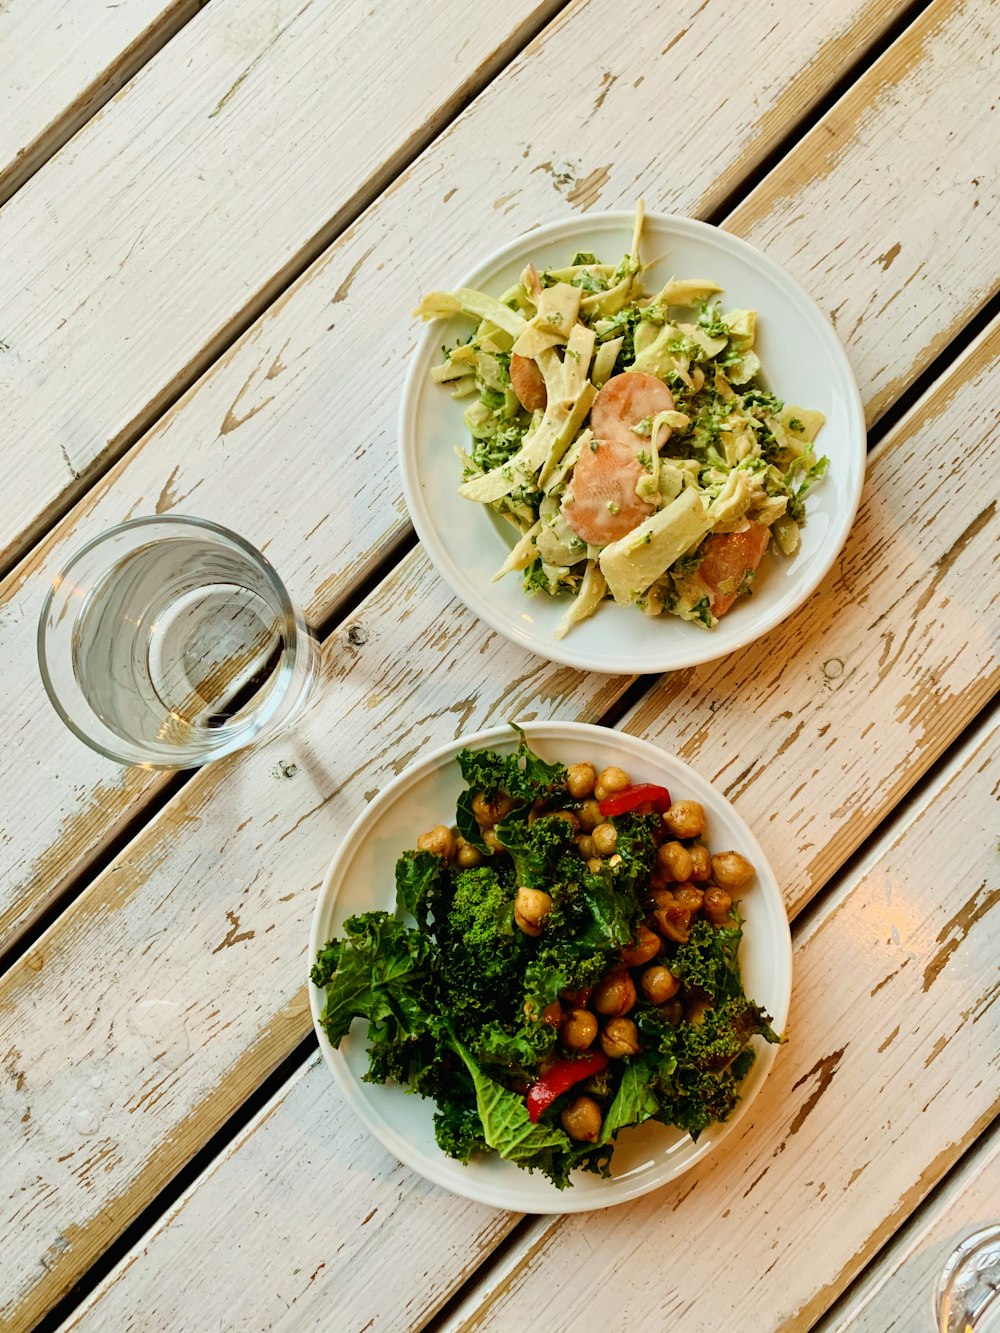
pixel 168 642
pixel 967 1294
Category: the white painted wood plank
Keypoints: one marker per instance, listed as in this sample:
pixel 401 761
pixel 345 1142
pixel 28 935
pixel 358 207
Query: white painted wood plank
pixel 894 1295
pixel 179 971
pixel 361 1238
pixel 138 248
pixel 314 483
pixel 782 1190
pixel 60 59
pixel 891 1071
pixel 908 115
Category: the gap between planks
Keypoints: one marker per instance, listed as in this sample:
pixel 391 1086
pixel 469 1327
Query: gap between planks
pixel 920 1220
pixel 394 166
pixel 106 83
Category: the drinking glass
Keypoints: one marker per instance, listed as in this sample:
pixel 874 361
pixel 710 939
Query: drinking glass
pixel 168 642
pixel 967 1294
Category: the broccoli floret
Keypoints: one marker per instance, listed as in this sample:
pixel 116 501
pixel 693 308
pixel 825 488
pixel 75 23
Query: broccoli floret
pixel 480 947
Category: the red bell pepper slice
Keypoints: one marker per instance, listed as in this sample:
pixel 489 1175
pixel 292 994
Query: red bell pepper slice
pixel 632 797
pixel 559 1078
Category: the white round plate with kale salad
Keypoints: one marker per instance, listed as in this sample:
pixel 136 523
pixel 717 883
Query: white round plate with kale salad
pixel 570 947
pixel 629 442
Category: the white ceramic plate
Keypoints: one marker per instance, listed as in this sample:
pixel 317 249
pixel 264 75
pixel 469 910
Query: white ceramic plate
pixel 361 878
pixel 803 362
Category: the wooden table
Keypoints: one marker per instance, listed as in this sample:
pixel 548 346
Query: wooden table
pixel 218 216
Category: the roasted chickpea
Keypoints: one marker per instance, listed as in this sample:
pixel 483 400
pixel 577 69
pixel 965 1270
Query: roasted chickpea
pixel 619 1037
pixel 580 779
pixel 646 946
pixel 685 819
pixel 531 907
pixel 465 854
pixel 552 1014
pixel 615 995
pixel 594 864
pixel 579 1030
pixel 439 840
pixel 675 861
pixel 659 984
pixel 673 922
pixel 701 863
pixel 605 837
pixel 610 780
pixel 718 904
pixel 586 845
pixel 688 896
pixel 589 815
pixel 658 896
pixel 731 870
pixel 582 1120
pixel 488 813
pixel 567 816
pixel 492 841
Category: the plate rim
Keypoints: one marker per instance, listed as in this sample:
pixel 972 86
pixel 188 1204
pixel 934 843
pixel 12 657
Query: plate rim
pixel 479 1190
pixel 704 648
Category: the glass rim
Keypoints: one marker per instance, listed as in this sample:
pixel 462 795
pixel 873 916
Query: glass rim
pixel 292 617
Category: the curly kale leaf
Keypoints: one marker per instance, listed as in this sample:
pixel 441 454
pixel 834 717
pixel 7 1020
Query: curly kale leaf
pixel 722 1035
pixel 508 1130
pixel 636 846
pixel 458 1129
pixel 523 774
pixel 700 1099
pixel 516 1052
pixel 381 971
pixel 419 878
pixel 537 847
pixel 481 949
pixel 710 961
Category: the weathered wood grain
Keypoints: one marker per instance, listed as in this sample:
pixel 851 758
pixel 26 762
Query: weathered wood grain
pixel 894 1294
pixel 916 96
pixel 891 1072
pixel 312 479
pixel 133 256
pixel 383 1244
pixel 60 60
pixel 835 1151
pixel 203 919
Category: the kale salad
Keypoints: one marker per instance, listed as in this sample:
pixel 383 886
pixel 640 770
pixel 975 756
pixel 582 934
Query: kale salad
pixel 563 963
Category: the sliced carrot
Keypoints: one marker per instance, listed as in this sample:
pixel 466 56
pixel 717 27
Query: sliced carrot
pixel 624 402
pixel 728 557
pixel 528 383
pixel 601 504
